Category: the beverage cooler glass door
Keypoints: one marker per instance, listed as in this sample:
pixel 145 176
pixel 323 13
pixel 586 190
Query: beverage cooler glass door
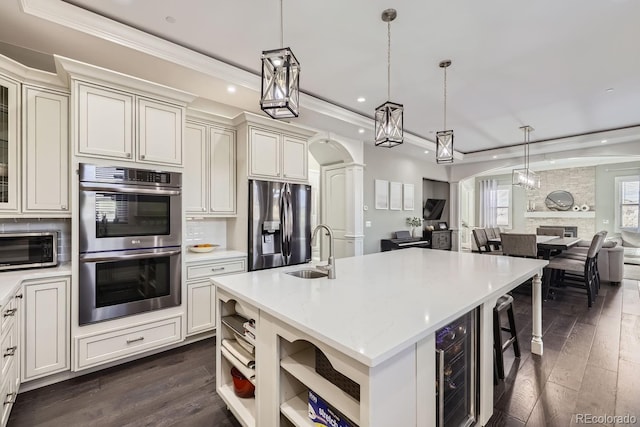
pixel 128 282
pixel 457 372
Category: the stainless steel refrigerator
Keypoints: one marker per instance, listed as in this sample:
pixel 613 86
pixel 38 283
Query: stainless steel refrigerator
pixel 279 224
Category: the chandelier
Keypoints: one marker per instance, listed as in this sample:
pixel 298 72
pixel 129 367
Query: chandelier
pixel 389 116
pixel 444 138
pixel 525 177
pixel 280 80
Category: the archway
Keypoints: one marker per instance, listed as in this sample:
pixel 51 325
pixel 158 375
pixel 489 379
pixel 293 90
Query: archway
pixel 336 177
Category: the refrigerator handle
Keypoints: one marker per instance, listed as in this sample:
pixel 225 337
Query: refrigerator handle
pixel 440 356
pixel 284 215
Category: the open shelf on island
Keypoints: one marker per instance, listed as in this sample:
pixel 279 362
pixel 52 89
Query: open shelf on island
pixel 247 372
pixel 301 365
pixel 296 410
pixel 243 409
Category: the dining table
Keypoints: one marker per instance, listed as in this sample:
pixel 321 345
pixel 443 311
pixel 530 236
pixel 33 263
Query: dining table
pixel 548 244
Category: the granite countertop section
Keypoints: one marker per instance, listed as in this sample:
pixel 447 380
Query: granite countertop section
pixel 215 255
pixel 381 303
pixel 10 280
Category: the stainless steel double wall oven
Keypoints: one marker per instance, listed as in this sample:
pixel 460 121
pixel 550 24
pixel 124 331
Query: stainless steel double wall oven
pixel 130 241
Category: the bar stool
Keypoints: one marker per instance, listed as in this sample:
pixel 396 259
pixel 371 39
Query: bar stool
pixel 505 302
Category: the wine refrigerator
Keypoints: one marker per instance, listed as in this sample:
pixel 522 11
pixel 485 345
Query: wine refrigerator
pixel 457 358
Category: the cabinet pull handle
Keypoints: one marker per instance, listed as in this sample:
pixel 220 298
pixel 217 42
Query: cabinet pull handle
pixel 135 340
pixel 128 155
pixel 11 351
pixel 10 399
pixel 217 269
pixel 10 312
pixel 19 296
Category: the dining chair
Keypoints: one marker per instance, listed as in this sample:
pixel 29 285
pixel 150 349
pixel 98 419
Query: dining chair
pixel 482 242
pixel 576 273
pixel 550 231
pixel 580 253
pixel 520 245
pixel 491 234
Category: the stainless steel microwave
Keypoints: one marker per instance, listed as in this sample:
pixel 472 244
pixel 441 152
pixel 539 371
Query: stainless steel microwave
pixel 28 250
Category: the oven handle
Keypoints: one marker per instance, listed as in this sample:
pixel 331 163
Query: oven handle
pixel 116 188
pixel 123 257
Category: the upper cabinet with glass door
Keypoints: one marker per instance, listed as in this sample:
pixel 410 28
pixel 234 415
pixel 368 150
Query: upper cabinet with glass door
pixel 9 126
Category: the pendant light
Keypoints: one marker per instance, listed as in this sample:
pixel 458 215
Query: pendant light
pixel 389 116
pixel 444 138
pixel 280 80
pixel 525 177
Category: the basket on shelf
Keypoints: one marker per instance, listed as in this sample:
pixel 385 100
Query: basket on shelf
pixel 325 370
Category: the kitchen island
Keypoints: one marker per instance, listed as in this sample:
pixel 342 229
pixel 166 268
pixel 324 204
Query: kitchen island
pixel 375 323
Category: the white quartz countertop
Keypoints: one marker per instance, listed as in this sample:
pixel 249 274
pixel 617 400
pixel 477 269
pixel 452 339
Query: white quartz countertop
pixel 381 303
pixel 9 280
pixel 215 255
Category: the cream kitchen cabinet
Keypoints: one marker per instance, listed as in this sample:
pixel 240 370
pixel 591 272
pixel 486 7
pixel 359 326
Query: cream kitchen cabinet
pixel 201 292
pixel 34 122
pixel 10 362
pixel 115 123
pixel 209 183
pixel 45 339
pixel 277 155
pixel 45 139
pixel 9 140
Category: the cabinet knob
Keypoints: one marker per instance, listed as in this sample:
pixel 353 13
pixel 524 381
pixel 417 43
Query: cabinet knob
pixel 19 296
pixel 142 156
pixel 63 207
pixel 11 351
pixel 204 209
pixel 128 155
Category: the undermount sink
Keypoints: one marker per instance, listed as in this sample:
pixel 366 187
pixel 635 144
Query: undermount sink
pixel 307 274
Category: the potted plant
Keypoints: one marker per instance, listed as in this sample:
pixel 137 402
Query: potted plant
pixel 416 226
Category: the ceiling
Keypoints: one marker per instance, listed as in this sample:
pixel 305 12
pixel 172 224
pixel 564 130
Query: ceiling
pixel 570 69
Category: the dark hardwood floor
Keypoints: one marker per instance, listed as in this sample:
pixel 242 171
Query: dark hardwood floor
pixel 591 364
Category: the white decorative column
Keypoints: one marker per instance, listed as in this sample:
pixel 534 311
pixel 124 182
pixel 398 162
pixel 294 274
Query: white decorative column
pixel 536 339
pixel 454 214
pixel 354 200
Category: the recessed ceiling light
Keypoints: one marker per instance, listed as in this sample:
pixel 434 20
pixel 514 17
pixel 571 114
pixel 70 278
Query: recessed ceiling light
pixel 604 141
pixel 426 152
pixel 170 19
pixel 609 90
pixel 361 99
pixel 231 89
pixel 360 130
pixel 495 157
pixel 552 161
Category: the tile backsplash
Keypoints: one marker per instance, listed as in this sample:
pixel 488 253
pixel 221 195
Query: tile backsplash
pixel 62 226
pixel 206 231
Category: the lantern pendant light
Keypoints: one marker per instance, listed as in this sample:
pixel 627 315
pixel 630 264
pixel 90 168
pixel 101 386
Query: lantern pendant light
pixel 525 177
pixel 280 80
pixel 389 116
pixel 444 138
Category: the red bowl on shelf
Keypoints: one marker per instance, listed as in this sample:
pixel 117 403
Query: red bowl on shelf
pixel 242 387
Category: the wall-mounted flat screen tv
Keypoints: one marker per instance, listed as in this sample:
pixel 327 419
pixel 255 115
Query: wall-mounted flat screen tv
pixel 433 209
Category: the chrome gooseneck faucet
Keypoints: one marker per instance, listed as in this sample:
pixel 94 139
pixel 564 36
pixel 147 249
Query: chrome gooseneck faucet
pixel 330 268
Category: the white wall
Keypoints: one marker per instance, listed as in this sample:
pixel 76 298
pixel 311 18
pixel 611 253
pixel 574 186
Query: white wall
pixel 390 165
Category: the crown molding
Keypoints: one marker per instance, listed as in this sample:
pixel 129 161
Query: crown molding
pixel 79 19
pixel 24 74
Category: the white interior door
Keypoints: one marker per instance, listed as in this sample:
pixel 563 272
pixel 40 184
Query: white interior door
pixel 334 210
